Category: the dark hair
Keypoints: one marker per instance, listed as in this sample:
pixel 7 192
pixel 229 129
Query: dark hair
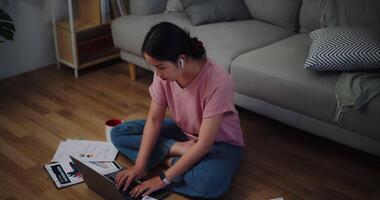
pixel 166 41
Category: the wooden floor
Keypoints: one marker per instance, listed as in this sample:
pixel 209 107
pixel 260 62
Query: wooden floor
pixel 43 107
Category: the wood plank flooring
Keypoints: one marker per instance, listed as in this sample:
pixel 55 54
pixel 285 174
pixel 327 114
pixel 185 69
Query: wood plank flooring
pixel 39 109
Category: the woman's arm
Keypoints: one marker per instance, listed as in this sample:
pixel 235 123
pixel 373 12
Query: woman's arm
pixel 150 135
pixel 207 134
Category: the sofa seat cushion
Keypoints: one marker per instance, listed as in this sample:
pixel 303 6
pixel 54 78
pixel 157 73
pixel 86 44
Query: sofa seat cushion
pixel 275 74
pixel 225 41
pixel 128 32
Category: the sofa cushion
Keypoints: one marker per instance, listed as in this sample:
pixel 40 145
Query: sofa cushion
pixel 344 49
pixel 212 11
pixel 147 7
pixel 351 13
pixel 275 74
pixel 224 41
pixel 283 13
pixel 310 15
pixel 129 31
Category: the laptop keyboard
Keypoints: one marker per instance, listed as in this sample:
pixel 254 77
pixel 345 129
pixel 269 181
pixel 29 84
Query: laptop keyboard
pixel 125 194
pixel 157 195
pixel 112 176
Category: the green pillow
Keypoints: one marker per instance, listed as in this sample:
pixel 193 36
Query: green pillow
pixel 310 15
pixel 351 13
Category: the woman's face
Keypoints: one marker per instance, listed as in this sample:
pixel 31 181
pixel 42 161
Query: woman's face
pixel 166 70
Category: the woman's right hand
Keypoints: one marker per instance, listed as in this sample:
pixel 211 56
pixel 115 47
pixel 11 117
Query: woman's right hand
pixel 126 176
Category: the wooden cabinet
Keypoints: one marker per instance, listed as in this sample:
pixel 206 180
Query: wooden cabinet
pixel 81 40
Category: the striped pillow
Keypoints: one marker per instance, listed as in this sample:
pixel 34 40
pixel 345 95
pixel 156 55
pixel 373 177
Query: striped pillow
pixel 344 49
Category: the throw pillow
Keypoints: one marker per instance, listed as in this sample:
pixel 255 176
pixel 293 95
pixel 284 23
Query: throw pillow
pixel 178 5
pixel 212 11
pixel 351 13
pixel 174 6
pixel 344 49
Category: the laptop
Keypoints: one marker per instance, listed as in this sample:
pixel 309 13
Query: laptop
pixel 105 185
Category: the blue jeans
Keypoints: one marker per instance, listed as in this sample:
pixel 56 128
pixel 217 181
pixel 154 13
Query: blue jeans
pixel 209 178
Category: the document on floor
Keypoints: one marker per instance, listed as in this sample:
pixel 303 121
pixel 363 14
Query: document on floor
pixel 63 174
pixel 66 173
pixel 280 198
pixel 85 150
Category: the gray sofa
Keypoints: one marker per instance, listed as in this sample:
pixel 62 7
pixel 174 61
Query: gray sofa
pixel 266 60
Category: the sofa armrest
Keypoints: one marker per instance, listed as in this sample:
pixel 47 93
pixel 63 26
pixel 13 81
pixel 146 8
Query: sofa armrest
pixel 147 7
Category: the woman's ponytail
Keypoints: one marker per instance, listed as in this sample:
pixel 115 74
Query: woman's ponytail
pixel 197 49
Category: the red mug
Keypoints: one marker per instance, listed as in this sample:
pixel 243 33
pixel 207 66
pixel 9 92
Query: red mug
pixel 110 124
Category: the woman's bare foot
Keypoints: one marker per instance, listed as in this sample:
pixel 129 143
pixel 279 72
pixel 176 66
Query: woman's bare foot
pixel 180 148
pixel 168 161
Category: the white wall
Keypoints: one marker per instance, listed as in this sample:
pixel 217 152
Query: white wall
pixel 33 45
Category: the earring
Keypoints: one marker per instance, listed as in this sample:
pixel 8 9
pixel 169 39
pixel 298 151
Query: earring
pixel 181 63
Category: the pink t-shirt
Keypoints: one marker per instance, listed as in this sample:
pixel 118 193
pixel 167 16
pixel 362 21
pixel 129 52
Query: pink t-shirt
pixel 209 94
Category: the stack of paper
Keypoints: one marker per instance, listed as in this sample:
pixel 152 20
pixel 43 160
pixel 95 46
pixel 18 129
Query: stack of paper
pixel 98 155
pixel 85 150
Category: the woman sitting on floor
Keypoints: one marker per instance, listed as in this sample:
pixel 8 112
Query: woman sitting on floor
pixel 202 141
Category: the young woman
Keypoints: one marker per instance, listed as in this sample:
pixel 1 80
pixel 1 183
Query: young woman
pixel 202 141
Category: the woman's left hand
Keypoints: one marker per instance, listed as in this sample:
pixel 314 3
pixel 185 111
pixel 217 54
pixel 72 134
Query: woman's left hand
pixel 147 187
